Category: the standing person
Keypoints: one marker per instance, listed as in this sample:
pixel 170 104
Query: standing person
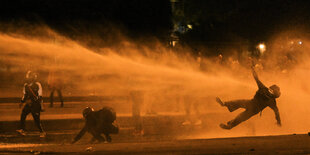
pixel 189 102
pixel 31 102
pixel 264 97
pixel 55 84
pixel 98 122
pixel 137 99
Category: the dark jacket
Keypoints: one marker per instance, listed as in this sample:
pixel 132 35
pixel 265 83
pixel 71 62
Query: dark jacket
pixel 98 122
pixel 32 95
pixel 263 98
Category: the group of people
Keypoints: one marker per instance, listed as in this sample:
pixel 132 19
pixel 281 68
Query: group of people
pixel 102 121
pixel 97 122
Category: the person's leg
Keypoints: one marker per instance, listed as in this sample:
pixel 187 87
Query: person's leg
pixel 187 107
pixel 235 104
pixel 113 129
pixel 97 136
pixel 197 112
pixel 26 110
pixel 60 98
pixel 52 97
pixel 37 121
pixel 239 119
pixel 108 137
pixel 137 100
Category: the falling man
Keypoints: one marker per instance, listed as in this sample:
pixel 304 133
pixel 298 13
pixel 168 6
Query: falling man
pixel 264 97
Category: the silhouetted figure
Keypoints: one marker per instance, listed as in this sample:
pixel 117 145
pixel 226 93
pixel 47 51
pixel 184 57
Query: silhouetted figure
pixel 137 99
pixel 191 102
pixel 55 84
pixel 97 123
pixel 31 103
pixel 264 97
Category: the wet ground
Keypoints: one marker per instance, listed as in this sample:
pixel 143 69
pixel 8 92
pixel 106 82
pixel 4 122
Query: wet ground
pixel 284 144
pixel 164 134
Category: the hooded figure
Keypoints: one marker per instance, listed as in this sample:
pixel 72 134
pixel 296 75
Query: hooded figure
pixel 264 97
pixel 97 123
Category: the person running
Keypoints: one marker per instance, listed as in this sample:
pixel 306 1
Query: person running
pixel 264 97
pixel 98 122
pixel 31 102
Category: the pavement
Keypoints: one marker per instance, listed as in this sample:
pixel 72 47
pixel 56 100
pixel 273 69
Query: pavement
pixel 62 124
pixel 163 133
pixel 284 144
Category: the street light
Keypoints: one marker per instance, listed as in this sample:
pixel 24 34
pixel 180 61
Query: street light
pixel 262 48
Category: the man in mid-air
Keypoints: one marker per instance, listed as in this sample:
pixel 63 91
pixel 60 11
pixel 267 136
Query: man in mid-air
pixel 98 122
pixel 264 97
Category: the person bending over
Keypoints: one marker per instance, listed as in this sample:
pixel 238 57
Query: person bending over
pixel 97 123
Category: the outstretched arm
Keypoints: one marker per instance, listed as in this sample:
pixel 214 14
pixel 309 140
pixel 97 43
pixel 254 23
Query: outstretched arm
pixel 79 136
pixel 276 112
pixel 258 82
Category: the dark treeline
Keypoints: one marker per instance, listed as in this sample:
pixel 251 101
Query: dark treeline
pixel 212 20
pixel 243 20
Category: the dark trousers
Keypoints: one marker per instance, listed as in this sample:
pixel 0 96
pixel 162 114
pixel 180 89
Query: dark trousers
pixel 59 95
pixel 35 114
pixel 106 129
pixel 249 107
pixel 110 129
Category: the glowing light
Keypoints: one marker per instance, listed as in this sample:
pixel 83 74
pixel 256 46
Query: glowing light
pixel 190 26
pixel 300 42
pixel 173 43
pixel 262 48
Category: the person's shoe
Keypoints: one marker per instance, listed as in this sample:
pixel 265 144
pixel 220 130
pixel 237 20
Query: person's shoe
pixel 218 100
pixel 224 126
pixel 21 132
pixel 42 134
pixel 186 123
pixel 198 122
pixel 108 139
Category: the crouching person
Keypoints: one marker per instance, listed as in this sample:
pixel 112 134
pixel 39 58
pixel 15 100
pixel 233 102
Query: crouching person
pixel 97 123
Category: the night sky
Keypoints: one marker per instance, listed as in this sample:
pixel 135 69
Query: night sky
pixel 213 20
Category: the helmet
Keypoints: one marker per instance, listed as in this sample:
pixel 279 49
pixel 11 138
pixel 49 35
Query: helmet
pixel 87 111
pixel 31 75
pixel 275 90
